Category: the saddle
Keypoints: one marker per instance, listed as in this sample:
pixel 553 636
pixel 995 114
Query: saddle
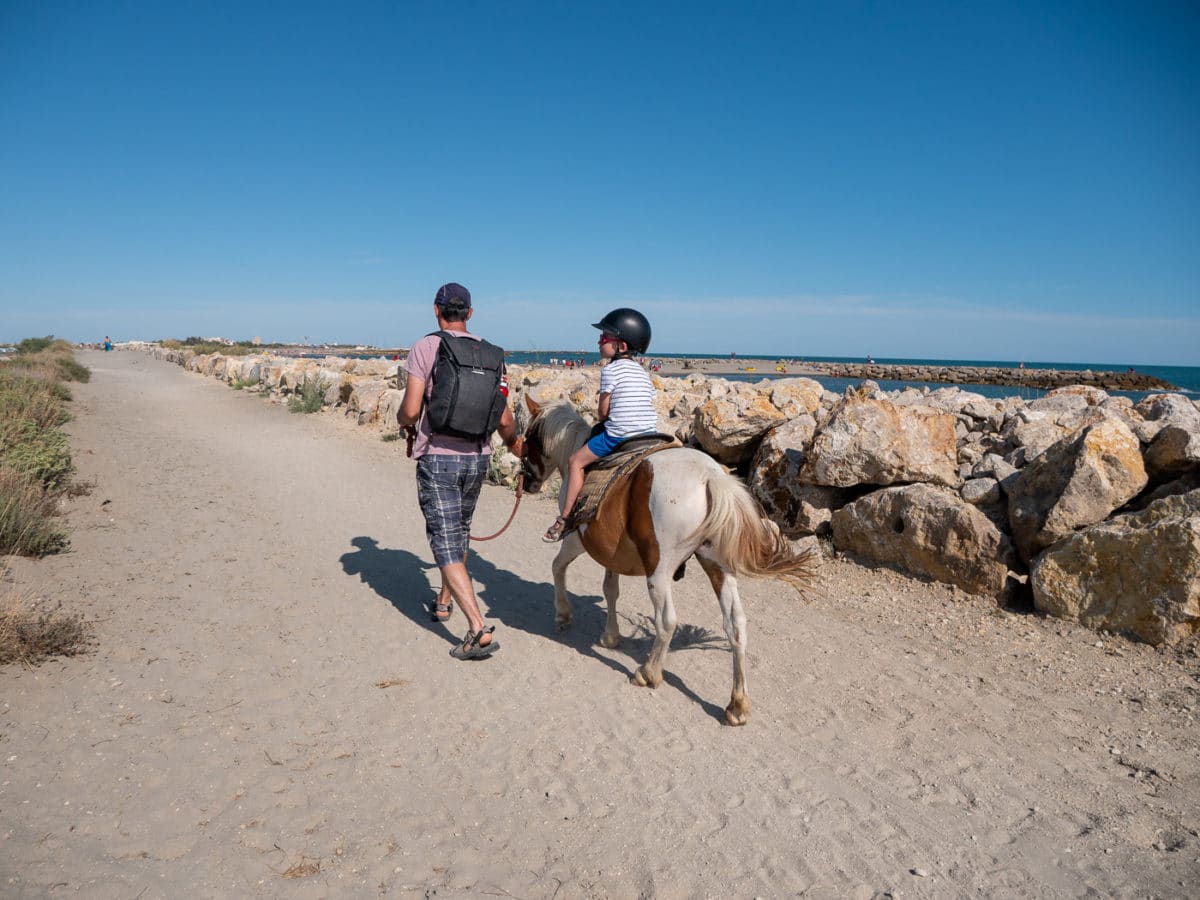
pixel 602 475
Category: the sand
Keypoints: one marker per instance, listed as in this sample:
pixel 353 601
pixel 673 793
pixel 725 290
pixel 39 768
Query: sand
pixel 268 712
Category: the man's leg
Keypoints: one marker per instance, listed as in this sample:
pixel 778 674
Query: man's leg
pixel 458 579
pixel 445 599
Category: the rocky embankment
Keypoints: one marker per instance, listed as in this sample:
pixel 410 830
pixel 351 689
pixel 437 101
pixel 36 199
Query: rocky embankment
pixel 1087 502
pixel 1044 379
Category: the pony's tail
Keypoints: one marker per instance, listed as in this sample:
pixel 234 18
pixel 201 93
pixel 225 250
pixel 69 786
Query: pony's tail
pixel 745 540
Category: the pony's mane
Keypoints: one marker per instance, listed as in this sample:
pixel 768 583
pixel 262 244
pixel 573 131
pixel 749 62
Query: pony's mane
pixel 563 431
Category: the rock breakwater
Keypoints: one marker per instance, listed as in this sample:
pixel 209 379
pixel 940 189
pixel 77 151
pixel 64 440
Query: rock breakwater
pixel 1043 379
pixel 1067 497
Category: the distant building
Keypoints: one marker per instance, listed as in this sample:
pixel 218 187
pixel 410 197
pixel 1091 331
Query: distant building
pixel 256 341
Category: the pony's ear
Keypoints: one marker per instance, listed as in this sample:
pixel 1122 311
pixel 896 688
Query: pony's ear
pixel 532 405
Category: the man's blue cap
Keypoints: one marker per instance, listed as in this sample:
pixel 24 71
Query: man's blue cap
pixel 453 296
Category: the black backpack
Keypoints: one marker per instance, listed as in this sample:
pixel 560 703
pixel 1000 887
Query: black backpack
pixel 466 401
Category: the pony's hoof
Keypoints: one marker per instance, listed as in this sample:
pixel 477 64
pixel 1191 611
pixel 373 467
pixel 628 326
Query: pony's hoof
pixel 738 713
pixel 642 678
pixel 610 641
pixel 562 624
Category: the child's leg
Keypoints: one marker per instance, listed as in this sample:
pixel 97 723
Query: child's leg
pixel 580 459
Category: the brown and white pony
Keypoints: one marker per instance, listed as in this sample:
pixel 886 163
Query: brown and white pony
pixel 676 504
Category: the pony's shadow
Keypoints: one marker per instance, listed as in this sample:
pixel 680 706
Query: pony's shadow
pixel 400 578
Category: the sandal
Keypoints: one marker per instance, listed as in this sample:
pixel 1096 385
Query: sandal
pixel 555 532
pixel 440 612
pixel 470 648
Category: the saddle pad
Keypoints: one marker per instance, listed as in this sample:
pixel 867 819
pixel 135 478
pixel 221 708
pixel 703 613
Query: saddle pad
pixel 598 480
pixel 658 441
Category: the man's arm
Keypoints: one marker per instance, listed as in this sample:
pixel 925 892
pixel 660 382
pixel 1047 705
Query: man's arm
pixel 410 407
pixel 508 433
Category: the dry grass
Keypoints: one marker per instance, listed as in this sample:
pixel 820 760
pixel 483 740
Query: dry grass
pixel 304 868
pixel 35 455
pixel 28 523
pixel 30 633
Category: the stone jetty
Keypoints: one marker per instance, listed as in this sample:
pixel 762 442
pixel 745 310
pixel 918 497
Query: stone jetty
pixel 1085 505
pixel 1045 379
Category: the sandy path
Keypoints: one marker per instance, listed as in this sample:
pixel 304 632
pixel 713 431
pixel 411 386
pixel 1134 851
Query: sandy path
pixel 256 575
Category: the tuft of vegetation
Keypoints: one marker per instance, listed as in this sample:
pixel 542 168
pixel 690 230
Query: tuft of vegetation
pixel 49 359
pixel 309 398
pixel 200 345
pixel 29 635
pixel 41 455
pixel 28 523
pixel 35 345
pixel 35 456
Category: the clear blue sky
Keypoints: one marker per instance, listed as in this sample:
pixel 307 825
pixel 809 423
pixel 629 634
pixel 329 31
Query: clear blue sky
pixel 958 180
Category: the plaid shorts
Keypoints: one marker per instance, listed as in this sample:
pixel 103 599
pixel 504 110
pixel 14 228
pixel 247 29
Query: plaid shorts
pixel 447 488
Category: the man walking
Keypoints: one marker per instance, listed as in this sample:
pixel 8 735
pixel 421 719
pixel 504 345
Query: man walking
pixel 453 448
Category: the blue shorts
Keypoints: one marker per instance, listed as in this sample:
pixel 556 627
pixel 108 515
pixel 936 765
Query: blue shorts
pixel 447 489
pixel 604 443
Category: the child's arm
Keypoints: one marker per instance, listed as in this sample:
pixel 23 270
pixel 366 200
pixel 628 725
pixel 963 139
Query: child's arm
pixel 603 410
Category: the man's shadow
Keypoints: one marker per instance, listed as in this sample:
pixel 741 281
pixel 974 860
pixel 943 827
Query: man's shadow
pixel 400 578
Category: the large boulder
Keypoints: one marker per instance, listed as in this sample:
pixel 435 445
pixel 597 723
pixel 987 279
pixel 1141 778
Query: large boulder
pixel 1077 482
pixel 775 480
pixel 387 408
pixel 729 427
pixel 869 441
pixel 1159 411
pixel 1174 451
pixel 1137 573
pixel 365 398
pixel 927 531
pixel 246 370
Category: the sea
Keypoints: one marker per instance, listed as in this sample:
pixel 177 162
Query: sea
pixel 1185 378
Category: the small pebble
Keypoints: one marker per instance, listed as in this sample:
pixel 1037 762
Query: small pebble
pixel 920 873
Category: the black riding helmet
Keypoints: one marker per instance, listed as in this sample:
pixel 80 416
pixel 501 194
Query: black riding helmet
pixel 629 325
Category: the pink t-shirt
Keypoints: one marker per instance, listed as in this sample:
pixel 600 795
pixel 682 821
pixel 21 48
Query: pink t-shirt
pixel 421 360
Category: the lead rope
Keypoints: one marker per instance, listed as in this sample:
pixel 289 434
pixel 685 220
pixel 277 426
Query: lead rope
pixel 516 503
pixel 513 514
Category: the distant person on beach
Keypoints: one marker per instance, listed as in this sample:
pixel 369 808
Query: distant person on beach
pixel 451 469
pixel 626 402
pixel 107 343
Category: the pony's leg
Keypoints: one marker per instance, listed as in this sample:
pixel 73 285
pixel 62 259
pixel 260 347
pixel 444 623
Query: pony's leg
pixel 650 674
pixel 734 618
pixel 571 548
pixel 612 590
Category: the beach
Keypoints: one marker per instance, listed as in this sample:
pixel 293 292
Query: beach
pixel 267 710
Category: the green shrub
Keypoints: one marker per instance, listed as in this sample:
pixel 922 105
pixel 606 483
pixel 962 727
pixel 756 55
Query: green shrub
pixel 27 516
pixel 71 369
pixel 35 345
pixel 43 455
pixel 309 398
pixel 35 456
pixel 24 398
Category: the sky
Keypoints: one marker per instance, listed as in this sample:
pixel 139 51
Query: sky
pixel 994 181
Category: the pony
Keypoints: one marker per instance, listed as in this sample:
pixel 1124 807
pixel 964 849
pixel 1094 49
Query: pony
pixel 676 504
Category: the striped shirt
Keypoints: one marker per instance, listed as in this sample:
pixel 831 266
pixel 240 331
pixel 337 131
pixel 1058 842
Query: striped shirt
pixel 631 407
